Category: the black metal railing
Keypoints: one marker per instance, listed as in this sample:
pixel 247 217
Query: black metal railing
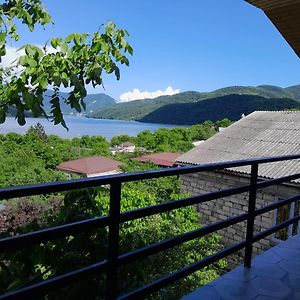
pixel 115 218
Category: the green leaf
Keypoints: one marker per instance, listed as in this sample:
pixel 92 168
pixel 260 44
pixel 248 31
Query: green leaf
pixel 77 39
pixel 55 42
pixel 2 38
pixel 23 60
pixel 69 38
pixel 64 47
pixel 28 98
pixel 21 117
pixel 117 73
pixel 56 111
pixel 3 114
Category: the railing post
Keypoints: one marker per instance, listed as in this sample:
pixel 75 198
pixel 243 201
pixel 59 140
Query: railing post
pixel 251 216
pixel 113 241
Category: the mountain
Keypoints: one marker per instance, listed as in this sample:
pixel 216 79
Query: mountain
pixel 93 102
pixel 295 91
pixel 230 106
pixel 139 109
pixel 135 110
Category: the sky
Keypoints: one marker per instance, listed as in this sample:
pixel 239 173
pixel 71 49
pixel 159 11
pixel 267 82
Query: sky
pixel 180 45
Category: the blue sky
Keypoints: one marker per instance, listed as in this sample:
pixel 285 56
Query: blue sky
pixel 188 45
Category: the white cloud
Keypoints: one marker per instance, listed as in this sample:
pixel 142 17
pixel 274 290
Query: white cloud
pixel 13 54
pixel 137 94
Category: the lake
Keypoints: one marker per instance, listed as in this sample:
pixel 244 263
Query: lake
pixel 79 126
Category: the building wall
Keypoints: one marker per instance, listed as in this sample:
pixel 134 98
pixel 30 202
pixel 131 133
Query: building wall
pixel 113 172
pixel 221 209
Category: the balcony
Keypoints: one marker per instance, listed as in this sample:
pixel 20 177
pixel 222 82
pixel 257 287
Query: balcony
pixel 110 266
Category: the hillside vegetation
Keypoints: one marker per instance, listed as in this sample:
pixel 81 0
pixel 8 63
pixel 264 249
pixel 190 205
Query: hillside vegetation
pixel 231 107
pixel 144 110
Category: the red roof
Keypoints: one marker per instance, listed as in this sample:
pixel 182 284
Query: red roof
pixel 166 159
pixel 90 165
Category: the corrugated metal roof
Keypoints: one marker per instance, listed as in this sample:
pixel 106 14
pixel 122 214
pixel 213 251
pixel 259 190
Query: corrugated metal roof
pixel 271 4
pixel 260 134
pixel 90 165
pixel 285 15
pixel 166 159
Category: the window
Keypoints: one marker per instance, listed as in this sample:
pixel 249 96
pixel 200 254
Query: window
pixel 283 214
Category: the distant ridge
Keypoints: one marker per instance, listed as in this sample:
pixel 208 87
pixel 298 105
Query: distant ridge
pixel 163 109
pixel 218 108
pixel 93 102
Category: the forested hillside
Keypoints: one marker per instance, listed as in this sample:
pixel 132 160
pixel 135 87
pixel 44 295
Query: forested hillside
pixel 231 107
pixel 141 109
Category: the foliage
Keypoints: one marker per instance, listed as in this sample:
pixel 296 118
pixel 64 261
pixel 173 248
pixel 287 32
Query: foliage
pixel 224 123
pixel 119 139
pixel 53 258
pixel 23 160
pixel 38 131
pixel 32 158
pixel 76 61
pixel 175 139
pixel 231 107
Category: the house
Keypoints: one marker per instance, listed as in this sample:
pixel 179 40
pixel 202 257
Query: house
pixel 126 147
pixel 114 150
pixel 163 159
pixel 91 166
pixel 260 134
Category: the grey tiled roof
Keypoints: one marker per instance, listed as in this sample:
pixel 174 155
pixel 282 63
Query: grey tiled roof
pixel 260 134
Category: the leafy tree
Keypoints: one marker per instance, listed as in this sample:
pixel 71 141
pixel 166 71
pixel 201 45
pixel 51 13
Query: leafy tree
pixel 175 139
pixel 224 123
pixel 119 139
pixel 202 131
pixel 77 60
pixel 146 139
pixel 39 131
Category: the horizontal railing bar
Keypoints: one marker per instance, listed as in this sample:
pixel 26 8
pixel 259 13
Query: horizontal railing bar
pixel 60 186
pixel 51 233
pixel 266 183
pixel 274 229
pixel 175 204
pixel 68 229
pixel 51 284
pixel 174 241
pixel 163 207
pixel 170 278
pixel 273 206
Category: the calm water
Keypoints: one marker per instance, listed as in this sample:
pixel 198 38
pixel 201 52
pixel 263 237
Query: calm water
pixel 79 126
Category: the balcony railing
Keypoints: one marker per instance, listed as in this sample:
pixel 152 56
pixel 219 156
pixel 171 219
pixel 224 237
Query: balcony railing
pixel 113 261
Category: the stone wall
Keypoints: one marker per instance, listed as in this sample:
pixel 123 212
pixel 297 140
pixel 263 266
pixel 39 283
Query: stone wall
pixel 222 209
